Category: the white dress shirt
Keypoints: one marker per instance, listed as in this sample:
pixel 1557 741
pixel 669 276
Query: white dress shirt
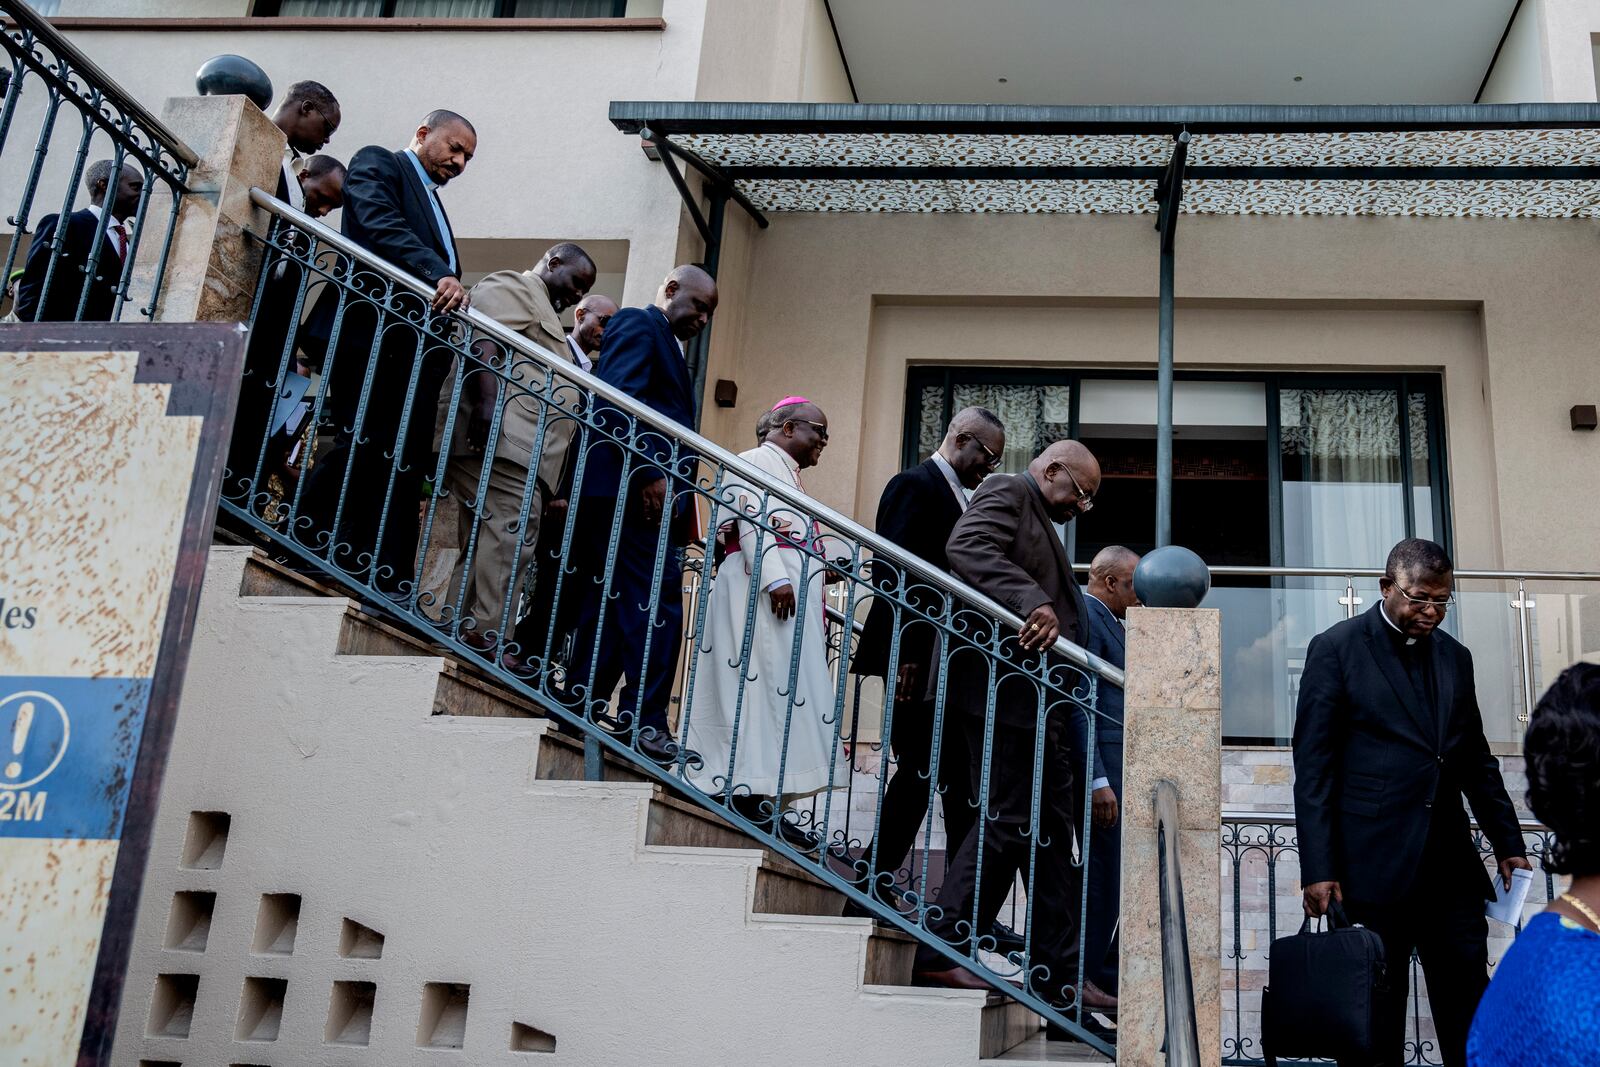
pixel 292 165
pixel 438 209
pixel 118 236
pixel 580 357
pixel 949 473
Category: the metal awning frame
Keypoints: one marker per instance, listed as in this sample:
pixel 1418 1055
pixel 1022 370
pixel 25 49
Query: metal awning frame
pixel 659 122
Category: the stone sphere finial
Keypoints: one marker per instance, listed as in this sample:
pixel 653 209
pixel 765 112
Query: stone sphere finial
pixel 230 75
pixel 1171 577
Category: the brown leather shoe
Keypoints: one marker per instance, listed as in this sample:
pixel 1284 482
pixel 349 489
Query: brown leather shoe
pixel 1097 999
pixel 954 978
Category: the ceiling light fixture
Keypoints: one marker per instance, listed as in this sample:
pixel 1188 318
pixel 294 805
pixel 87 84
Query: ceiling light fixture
pixel 1003 80
pixel 1299 78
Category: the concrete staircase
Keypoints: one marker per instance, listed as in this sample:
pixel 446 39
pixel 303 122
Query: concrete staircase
pixel 369 854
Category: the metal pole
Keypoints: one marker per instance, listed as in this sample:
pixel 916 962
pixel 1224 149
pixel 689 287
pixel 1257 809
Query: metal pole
pixel 700 350
pixel 1164 405
pixel 1523 604
pixel 1170 195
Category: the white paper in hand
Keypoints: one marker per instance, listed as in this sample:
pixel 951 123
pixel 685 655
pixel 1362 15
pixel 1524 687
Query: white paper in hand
pixel 1507 903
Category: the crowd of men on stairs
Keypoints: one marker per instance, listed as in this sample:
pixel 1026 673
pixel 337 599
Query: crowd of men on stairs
pixel 1388 736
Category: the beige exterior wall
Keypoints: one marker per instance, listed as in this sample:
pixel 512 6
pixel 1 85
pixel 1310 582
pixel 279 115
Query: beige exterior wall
pixel 837 306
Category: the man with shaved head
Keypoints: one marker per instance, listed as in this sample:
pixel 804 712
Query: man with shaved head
pixel 391 209
pixel 1110 595
pixel 1006 546
pixel 632 630
pixel 917 511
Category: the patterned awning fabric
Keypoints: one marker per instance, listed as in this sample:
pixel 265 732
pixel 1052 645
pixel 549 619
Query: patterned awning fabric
pixel 1527 161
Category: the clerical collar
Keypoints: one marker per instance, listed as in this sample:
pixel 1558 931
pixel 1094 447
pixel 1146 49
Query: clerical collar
pixel 1409 640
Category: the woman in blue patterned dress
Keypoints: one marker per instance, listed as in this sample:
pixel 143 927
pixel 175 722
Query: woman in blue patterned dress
pixel 1543 1007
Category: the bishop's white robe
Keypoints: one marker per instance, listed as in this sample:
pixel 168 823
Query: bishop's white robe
pixel 774 732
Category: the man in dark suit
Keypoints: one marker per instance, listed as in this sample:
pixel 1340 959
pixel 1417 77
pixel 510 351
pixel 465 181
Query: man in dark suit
pixel 917 511
pixel 1006 546
pixel 309 117
pixel 89 252
pixel 1110 595
pixel 1387 740
pixel 320 183
pixel 619 636
pixel 392 209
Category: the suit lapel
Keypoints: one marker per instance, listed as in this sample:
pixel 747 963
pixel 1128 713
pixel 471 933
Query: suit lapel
pixel 1112 626
pixel 1383 654
pixel 1069 583
pixel 1444 677
pixel 424 204
pixel 677 365
pixel 948 504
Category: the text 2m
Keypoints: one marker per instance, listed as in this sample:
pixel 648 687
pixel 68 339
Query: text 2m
pixel 19 805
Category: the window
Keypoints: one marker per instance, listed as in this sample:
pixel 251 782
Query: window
pixel 1284 470
pixel 444 9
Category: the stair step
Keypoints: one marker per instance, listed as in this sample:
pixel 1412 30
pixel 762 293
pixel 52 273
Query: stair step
pixel 1006 1024
pixel 1036 1048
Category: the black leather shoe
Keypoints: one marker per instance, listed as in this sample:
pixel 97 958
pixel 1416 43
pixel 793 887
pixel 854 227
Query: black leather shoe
pixel 659 747
pixel 795 836
pixel 1006 940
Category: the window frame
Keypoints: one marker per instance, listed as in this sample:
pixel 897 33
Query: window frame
pixel 504 9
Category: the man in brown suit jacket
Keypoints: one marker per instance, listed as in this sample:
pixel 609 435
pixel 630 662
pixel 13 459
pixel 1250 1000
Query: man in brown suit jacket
pixel 529 302
pixel 1006 546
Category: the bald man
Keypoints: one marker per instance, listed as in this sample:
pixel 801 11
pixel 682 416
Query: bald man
pixel 1110 595
pixel 634 632
pixel 1006 546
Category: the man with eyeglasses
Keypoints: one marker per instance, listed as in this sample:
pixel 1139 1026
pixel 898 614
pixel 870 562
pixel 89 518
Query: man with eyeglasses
pixel 917 511
pixel 1387 740
pixel 1006 546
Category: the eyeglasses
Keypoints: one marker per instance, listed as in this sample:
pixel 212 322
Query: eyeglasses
pixel 329 128
pixel 1422 601
pixel 1085 500
pixel 821 428
pixel 992 458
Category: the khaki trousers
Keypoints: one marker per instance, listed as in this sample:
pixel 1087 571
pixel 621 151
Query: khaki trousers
pixel 505 544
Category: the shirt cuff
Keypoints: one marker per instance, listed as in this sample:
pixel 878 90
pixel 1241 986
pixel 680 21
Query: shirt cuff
pixel 781 583
pixel 1100 783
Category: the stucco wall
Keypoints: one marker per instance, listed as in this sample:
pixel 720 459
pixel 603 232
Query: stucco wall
pixel 1520 73
pixel 773 50
pixel 1569 27
pixel 1505 308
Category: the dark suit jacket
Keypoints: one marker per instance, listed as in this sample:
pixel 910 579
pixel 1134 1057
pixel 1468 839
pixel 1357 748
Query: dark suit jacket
pixel 1374 771
pixel 1105 638
pixel 640 356
pixel 1005 546
pixel 66 284
pixel 916 512
pixel 386 211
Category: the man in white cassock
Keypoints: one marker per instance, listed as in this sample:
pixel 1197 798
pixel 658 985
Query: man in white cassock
pixel 776 736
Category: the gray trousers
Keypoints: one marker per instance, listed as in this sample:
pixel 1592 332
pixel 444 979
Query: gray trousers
pixel 504 545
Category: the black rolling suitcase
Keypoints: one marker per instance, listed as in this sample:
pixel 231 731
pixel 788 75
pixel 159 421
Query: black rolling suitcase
pixel 1324 992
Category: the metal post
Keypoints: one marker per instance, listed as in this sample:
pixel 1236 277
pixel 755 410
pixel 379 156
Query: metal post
pixel 1170 194
pixel 1350 600
pixel 699 354
pixel 1523 604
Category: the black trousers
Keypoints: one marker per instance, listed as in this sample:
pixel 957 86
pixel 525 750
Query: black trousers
pixel 1442 919
pixel 377 518
pixel 905 798
pixel 551 617
pixel 1105 884
pixel 989 870
pixel 271 334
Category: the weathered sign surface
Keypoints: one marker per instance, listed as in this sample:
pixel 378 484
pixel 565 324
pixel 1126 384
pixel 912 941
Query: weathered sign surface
pixel 109 466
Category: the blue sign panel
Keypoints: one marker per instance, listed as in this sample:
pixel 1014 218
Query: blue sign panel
pixel 67 751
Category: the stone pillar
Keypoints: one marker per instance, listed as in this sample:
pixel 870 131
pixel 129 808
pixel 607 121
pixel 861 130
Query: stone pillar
pixel 212 267
pixel 1172 730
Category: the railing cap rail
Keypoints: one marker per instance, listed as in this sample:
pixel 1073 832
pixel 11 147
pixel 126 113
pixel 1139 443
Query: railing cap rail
pixel 1379 572
pixel 29 19
pixel 1075 654
pixel 1242 816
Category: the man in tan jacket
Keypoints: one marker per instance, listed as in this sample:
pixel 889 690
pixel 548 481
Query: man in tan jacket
pixel 530 445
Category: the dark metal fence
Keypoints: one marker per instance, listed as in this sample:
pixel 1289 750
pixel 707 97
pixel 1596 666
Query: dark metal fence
pixel 1261 864
pixel 67 259
pixel 356 458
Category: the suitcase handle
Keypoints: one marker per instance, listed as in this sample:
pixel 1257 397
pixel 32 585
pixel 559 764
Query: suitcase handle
pixel 1335 916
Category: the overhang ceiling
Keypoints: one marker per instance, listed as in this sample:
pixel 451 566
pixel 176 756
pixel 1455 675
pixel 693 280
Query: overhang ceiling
pixel 1169 51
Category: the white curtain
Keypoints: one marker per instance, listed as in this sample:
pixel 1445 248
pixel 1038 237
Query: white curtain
pixel 344 9
pixel 1342 496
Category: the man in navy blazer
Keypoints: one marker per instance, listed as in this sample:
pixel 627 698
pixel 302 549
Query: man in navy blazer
pixel 71 250
pixel 1388 738
pixel 1110 595
pixel 620 636
pixel 392 209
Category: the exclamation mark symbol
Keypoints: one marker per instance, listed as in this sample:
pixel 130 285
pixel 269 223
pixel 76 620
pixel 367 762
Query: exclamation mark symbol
pixel 19 738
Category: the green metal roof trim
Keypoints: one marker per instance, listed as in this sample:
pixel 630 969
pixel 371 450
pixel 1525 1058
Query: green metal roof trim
pixel 1480 160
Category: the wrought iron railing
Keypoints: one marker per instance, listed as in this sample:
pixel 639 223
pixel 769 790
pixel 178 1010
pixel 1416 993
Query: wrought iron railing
pixel 1261 871
pixel 339 475
pixel 80 273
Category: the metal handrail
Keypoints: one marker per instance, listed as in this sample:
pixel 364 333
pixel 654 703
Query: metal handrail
pixel 1177 980
pixel 1232 571
pixel 35 23
pixel 551 363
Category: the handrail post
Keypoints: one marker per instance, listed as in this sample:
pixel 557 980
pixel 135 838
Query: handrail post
pixel 1182 1038
pixel 209 270
pixel 1172 741
pixel 1523 604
